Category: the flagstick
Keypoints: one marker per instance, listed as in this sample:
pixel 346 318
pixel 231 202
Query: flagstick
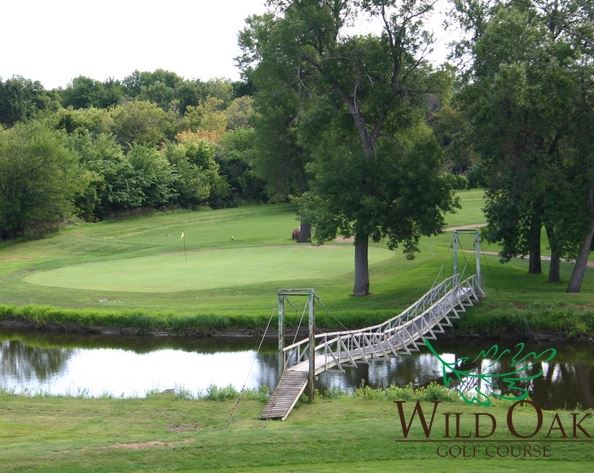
pixel 185 252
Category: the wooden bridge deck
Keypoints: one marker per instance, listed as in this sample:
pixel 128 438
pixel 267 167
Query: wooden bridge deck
pixel 401 335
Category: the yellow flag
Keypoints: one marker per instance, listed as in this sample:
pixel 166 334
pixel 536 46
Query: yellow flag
pixel 183 236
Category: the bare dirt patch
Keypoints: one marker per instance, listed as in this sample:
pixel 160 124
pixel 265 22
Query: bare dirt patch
pixel 15 258
pixel 183 428
pixel 150 444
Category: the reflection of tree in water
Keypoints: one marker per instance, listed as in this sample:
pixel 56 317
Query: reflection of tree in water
pixel 562 385
pixel 267 366
pixel 567 383
pixel 417 369
pixel 26 363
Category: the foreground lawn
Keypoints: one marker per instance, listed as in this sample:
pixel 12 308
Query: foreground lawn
pixel 168 434
pixel 134 273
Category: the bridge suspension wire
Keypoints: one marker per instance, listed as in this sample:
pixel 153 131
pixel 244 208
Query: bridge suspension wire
pixel 438 274
pixel 253 362
pixel 493 278
pixel 300 321
pixel 295 308
pixel 329 314
pixel 466 262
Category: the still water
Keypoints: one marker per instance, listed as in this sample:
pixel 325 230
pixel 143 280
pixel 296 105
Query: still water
pixel 94 366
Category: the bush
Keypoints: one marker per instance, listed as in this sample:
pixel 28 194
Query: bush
pixel 457 181
pixel 476 177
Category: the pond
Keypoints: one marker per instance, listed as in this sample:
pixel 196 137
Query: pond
pixel 94 366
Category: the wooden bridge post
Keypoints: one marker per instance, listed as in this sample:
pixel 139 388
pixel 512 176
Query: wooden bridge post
pixel 455 244
pixel 281 333
pixel 312 345
pixel 477 257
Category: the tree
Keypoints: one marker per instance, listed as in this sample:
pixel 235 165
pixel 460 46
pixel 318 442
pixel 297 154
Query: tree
pixel 208 115
pixel 197 179
pixel 142 123
pixel 21 99
pixel 235 156
pixel 240 113
pixel 113 184
pixel 364 112
pixel 85 92
pixel 522 98
pixel 39 180
pixel 278 100
pixel 93 120
pixel 154 176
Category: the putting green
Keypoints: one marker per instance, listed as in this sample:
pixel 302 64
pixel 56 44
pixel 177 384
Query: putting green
pixel 208 269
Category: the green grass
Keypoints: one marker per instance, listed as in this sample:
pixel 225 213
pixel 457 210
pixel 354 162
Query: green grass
pixel 208 269
pixel 164 434
pixel 132 273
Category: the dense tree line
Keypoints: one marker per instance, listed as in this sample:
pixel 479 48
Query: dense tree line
pixel 528 95
pixel 95 149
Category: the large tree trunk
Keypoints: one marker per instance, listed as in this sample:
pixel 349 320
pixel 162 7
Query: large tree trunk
pixel 581 263
pixel 361 287
pixel 534 263
pixel 554 268
pixel 304 232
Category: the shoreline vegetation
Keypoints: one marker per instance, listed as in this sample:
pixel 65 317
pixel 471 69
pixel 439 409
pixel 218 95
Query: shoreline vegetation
pixel 538 324
pixel 429 393
pixel 535 324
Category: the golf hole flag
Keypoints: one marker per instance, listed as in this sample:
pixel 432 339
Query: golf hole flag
pixel 183 236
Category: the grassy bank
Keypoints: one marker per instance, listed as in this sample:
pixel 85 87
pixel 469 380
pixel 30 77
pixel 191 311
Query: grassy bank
pixel 169 434
pixel 132 275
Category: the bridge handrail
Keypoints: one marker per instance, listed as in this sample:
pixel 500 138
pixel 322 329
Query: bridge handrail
pixel 337 337
pixel 406 312
pixel 407 323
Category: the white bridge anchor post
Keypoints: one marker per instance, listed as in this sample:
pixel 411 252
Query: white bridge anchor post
pixel 311 301
pixel 477 258
pixel 455 245
pixel 283 361
pixel 281 333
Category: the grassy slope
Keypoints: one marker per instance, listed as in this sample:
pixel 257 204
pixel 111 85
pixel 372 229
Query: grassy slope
pixel 395 281
pixel 166 434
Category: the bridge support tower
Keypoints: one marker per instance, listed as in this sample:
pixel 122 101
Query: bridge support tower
pixel 311 303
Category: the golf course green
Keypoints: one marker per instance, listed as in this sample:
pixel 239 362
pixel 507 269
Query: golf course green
pixel 208 269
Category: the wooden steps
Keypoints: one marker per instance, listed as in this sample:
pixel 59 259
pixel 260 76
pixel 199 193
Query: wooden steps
pixel 286 394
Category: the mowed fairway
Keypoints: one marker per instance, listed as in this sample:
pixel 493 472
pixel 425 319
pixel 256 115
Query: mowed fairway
pixel 134 270
pixel 208 269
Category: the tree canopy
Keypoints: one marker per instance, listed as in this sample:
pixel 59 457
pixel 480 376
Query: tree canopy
pixel 361 102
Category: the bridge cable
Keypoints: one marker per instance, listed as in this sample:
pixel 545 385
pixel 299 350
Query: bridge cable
pixel 486 259
pixel 329 314
pixel 438 274
pixel 463 251
pixel 300 321
pixel 274 308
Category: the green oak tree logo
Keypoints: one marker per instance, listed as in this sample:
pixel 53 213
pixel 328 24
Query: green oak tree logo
pixel 479 386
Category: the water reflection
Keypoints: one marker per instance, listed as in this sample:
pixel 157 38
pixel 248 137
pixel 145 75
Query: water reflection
pixel 26 363
pixel 99 365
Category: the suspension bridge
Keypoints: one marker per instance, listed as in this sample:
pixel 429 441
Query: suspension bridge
pixel 429 316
